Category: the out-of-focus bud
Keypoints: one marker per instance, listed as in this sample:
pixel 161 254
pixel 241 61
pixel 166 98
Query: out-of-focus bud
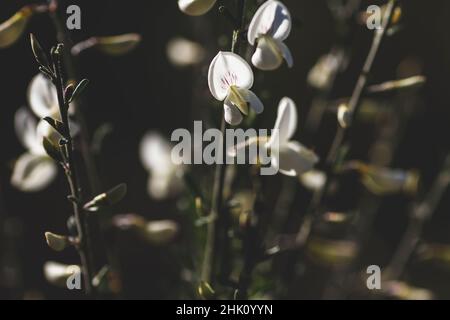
pixel 205 291
pixel 183 53
pixel 404 291
pixel 322 74
pixel 384 181
pixel 336 217
pixel 56 242
pixel 128 221
pixel 12 29
pixel 160 232
pixel 335 253
pixel 108 198
pixel 343 115
pixel 313 180
pixel 57 273
pixel 113 45
pixel 195 7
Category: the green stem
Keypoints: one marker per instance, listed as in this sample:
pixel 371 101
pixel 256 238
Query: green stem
pixel 71 172
pixel 216 213
pixel 353 108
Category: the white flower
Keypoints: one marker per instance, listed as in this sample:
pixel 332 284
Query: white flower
pixel 293 158
pixel 269 27
pixel 42 97
pixel 322 74
pixel 230 78
pixel 166 177
pixel 182 52
pixel 34 170
pixel 195 7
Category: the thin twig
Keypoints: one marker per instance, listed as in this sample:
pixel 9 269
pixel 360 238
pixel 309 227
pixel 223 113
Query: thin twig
pixel 216 213
pixel 353 108
pixel 71 170
pixel 419 215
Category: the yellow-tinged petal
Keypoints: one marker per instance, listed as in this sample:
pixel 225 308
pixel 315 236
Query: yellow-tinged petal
pixel 13 28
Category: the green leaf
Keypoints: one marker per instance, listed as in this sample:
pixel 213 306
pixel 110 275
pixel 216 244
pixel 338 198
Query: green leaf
pixel 52 150
pixel 39 53
pixel 79 89
pixel 57 125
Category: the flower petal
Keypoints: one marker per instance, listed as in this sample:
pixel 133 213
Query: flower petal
pixel 295 159
pixel 228 69
pixel 286 123
pixel 231 113
pixel 268 54
pixel 286 53
pixel 195 7
pixel 42 96
pixel 272 18
pixel 25 125
pixel 155 153
pixel 253 100
pixel 33 172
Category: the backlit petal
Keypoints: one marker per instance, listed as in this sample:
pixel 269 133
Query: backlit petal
pixel 33 172
pixel 228 69
pixel 42 96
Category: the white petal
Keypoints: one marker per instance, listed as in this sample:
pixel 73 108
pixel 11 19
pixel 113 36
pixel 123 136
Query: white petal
pixel 195 7
pixel 286 123
pixel 44 129
pixel 25 125
pixel 272 18
pixel 228 69
pixel 231 113
pixel 33 172
pixel 268 54
pixel 295 159
pixel 42 96
pixel 286 53
pixel 155 153
pixel 253 100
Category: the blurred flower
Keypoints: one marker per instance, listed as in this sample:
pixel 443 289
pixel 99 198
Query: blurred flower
pixel 294 158
pixel 327 252
pixel 160 232
pixel 34 170
pixel 269 27
pixel 42 97
pixel 403 291
pixel 166 177
pixel 111 45
pixel 182 52
pixel 230 78
pixel 382 180
pixel 322 74
pixel 313 180
pixel 12 29
pixel 195 7
pixel 57 273
pixel 155 232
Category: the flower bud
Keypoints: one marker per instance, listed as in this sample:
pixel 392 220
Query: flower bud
pixel 195 7
pixel 56 242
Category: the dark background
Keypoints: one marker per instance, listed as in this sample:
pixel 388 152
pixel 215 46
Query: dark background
pixel 143 91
